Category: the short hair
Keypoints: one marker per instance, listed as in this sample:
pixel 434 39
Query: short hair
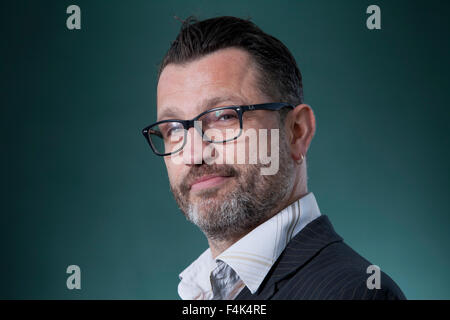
pixel 279 76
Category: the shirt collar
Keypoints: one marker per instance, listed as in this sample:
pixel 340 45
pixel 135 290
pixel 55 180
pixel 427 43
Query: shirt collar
pixel 253 255
pixel 195 283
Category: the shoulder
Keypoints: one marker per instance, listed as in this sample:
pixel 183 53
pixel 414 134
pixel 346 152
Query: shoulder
pixel 338 272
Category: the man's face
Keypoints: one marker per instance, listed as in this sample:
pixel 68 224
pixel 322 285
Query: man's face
pixel 222 199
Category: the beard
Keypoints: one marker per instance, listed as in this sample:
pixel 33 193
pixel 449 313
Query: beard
pixel 226 215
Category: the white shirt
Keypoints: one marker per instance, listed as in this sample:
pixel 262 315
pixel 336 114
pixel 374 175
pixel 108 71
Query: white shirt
pixel 247 261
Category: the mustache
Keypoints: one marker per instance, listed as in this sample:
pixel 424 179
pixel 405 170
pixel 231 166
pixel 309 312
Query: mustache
pixel 198 171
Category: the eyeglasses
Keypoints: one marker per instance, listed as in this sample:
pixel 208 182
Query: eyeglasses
pixel 167 137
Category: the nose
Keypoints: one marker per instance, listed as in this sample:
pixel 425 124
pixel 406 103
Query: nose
pixel 193 149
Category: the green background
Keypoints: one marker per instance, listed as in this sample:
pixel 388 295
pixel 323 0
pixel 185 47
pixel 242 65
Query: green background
pixel 81 186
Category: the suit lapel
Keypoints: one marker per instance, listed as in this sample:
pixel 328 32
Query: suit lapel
pixel 316 235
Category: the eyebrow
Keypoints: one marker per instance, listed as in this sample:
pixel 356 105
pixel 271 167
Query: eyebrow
pixel 169 112
pixel 208 103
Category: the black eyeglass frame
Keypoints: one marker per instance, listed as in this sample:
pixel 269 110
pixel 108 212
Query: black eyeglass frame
pixel 187 124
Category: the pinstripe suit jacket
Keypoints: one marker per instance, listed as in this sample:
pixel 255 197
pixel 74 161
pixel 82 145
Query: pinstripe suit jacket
pixel 317 264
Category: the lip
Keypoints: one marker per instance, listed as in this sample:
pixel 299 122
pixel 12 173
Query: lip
pixel 208 181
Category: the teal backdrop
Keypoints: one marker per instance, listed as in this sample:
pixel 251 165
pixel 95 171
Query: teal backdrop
pixel 81 186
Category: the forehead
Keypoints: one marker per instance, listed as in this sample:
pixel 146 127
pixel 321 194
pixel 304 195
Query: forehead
pixel 224 73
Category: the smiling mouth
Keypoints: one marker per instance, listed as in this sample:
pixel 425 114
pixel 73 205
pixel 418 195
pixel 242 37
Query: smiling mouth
pixel 208 181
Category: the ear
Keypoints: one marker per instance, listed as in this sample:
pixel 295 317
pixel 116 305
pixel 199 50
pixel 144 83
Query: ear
pixel 301 126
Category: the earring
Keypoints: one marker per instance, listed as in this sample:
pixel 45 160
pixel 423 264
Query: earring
pixel 300 161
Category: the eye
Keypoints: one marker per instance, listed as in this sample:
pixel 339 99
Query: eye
pixel 226 117
pixel 171 128
pixel 223 115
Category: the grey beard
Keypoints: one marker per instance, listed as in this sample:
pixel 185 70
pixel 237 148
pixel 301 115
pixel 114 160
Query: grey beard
pixel 250 204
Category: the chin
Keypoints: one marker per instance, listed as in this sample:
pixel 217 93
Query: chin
pixel 204 206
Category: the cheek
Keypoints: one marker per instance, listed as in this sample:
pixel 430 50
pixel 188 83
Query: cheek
pixel 253 144
pixel 233 152
pixel 174 171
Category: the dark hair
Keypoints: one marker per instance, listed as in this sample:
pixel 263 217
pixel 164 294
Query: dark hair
pixel 279 78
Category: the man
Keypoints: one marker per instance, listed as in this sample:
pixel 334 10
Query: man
pixel 221 80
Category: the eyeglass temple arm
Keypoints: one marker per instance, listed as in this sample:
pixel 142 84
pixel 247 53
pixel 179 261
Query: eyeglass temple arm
pixel 267 106
pixel 145 132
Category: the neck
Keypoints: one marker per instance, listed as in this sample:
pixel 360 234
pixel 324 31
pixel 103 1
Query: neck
pixel 219 246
